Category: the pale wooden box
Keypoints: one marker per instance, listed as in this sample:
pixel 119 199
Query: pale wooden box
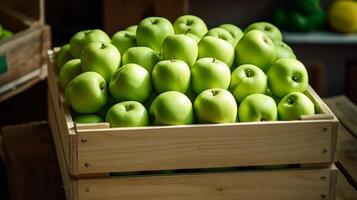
pixel 89 152
pixel 25 53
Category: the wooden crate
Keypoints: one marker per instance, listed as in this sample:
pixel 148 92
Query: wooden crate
pixel 89 152
pixel 346 154
pixel 24 54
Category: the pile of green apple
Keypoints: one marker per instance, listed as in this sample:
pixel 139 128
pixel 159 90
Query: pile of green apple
pixel 159 73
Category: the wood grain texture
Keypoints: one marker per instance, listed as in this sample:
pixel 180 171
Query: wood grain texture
pixel 203 146
pixel 277 185
pixel 33 41
pixel 345 191
pixel 347 154
pixel 347 142
pixel 346 111
pixel 31 163
pixel 64 120
pixel 69 183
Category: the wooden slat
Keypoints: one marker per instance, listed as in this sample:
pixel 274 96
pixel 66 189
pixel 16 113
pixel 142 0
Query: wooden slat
pixel 347 142
pixel 346 111
pixel 64 119
pixel 92 126
pixel 345 191
pixel 347 154
pixel 277 185
pixel 25 59
pixel 70 185
pixel 204 146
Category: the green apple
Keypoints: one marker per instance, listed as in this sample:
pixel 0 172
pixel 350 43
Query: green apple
pixel 293 105
pixel 124 40
pixel 191 94
pixel 149 100
pixel 194 37
pixel 103 58
pixel 172 75
pixel 70 69
pixel 127 114
pixel 132 28
pixel 88 118
pixel 215 106
pixel 276 99
pixel 283 50
pixel 63 56
pixel 180 47
pixel 246 80
pixel 142 56
pixel 190 24
pixel 152 31
pixel 83 38
pixel 219 49
pixel 103 111
pixel 234 30
pixel 209 73
pixel 287 75
pixel 131 82
pixel 171 108
pixel 272 31
pixel 255 48
pixel 221 33
pixel 87 92
pixel 257 107
pixel 6 34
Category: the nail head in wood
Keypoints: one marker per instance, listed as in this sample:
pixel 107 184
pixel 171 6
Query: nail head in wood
pixel 84 140
pixel 87 165
pixel 324 150
pixel 323 178
pixel 323 196
pixel 87 189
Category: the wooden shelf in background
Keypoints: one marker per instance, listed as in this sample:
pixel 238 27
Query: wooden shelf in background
pixel 320 38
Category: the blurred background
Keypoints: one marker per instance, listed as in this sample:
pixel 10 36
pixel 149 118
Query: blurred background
pixel 311 27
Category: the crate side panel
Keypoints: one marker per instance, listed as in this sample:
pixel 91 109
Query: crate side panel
pixel 25 59
pixel 204 146
pixel 277 185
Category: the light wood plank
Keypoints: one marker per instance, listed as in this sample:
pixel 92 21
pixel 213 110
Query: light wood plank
pixel 347 142
pixel 277 185
pixel 345 191
pixel 64 119
pixel 204 146
pixel 345 110
pixel 347 154
pixel 86 126
pixel 69 184
pixel 25 59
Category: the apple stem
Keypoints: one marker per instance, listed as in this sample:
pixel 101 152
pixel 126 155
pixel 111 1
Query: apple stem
pixel 249 73
pixel 172 59
pixel 126 34
pixel 129 107
pixel 295 78
pixel 213 60
pixel 188 30
pixel 103 45
pixel 290 101
pixel 214 92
